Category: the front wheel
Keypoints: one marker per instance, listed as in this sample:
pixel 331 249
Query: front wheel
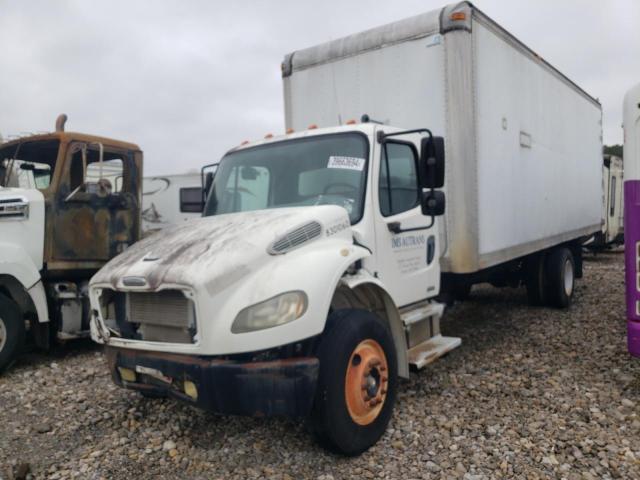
pixel 12 331
pixel 357 382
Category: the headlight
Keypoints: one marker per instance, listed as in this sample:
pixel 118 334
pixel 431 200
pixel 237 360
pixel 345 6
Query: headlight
pixel 281 309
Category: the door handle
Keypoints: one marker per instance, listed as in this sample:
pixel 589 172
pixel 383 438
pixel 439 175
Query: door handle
pixel 431 248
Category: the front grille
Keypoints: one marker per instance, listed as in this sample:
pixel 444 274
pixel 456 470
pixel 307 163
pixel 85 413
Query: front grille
pixel 296 238
pixel 165 316
pixel 166 307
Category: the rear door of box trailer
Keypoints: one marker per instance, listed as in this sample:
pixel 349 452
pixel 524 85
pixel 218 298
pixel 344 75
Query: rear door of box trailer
pixel 538 147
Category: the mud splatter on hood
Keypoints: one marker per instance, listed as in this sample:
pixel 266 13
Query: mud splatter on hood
pixel 214 251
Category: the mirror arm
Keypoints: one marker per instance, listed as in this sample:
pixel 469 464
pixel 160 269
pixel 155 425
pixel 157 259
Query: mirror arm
pixel 396 227
pixel 381 136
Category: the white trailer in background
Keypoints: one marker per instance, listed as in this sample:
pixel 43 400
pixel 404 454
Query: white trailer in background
pixel 170 199
pixel 309 286
pixel 612 231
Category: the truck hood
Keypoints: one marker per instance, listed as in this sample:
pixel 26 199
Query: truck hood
pixel 215 251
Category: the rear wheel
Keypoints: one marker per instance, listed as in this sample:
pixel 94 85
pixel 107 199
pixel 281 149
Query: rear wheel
pixel 560 277
pixel 12 331
pixel 357 382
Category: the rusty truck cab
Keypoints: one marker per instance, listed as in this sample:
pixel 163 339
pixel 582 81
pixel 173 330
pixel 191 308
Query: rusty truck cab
pixel 92 191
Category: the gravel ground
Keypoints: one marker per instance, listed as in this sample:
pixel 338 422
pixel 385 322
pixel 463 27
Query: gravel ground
pixel 532 393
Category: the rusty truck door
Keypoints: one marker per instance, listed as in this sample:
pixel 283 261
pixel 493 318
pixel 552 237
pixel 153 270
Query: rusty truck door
pixel 95 214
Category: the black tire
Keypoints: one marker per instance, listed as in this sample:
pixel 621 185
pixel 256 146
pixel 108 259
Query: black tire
pixel 461 291
pixel 12 332
pixel 332 423
pixel 534 279
pixel 560 273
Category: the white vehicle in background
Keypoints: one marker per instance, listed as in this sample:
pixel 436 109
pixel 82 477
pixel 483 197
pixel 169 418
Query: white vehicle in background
pixel 612 231
pixel 170 199
pixel 309 286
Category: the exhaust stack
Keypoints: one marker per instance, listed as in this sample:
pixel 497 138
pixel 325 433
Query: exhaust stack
pixel 60 122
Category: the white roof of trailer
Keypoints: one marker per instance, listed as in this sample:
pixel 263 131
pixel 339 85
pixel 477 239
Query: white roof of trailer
pixel 423 25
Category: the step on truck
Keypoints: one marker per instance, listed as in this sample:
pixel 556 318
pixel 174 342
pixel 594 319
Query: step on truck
pixel 310 285
pixel 69 202
pixel 631 124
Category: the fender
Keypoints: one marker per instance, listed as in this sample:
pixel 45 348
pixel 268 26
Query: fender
pixel 364 279
pixel 16 262
pixel 315 269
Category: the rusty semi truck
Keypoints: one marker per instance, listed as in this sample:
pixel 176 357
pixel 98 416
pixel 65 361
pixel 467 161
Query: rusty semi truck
pixel 69 202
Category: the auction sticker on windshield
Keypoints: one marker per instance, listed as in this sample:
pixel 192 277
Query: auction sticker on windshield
pixel 348 163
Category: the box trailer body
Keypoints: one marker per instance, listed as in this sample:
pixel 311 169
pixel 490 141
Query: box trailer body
pixel 312 281
pixel 523 143
pixel 631 153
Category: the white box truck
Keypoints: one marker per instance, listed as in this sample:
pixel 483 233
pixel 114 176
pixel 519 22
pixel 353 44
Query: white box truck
pixel 310 285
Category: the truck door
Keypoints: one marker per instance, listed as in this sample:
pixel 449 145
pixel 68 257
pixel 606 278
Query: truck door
pixel 95 214
pixel 408 261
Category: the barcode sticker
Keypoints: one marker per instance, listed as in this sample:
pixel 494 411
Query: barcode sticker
pixel 348 163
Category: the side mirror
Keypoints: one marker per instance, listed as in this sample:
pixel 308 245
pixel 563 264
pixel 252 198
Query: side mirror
pixel 432 162
pixel 433 203
pixel 208 181
pixel 207 174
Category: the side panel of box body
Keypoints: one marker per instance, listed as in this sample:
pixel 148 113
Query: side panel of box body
pixel 539 152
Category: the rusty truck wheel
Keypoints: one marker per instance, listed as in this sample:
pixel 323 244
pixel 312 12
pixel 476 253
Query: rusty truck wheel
pixel 357 382
pixel 12 331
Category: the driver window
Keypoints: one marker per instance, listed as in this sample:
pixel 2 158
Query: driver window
pixel 398 188
pixel 106 176
pixel 247 188
pixel 111 171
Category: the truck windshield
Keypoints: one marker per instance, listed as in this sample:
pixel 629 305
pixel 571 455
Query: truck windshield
pixel 322 170
pixel 28 164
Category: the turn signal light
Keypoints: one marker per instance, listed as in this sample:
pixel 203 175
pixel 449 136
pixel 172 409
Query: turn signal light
pixel 190 389
pixel 458 16
pixel 127 374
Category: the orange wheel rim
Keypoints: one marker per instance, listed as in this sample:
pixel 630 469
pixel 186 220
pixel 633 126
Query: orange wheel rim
pixel 366 382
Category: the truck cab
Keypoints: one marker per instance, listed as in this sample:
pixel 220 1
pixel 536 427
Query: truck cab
pixel 299 232
pixel 69 202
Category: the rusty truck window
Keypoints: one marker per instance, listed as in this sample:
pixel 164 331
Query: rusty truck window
pixel 89 172
pixel 111 170
pixel 29 164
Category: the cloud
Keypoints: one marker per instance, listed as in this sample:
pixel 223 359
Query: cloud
pixel 189 80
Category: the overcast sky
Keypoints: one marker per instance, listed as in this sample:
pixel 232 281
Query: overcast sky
pixel 187 80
